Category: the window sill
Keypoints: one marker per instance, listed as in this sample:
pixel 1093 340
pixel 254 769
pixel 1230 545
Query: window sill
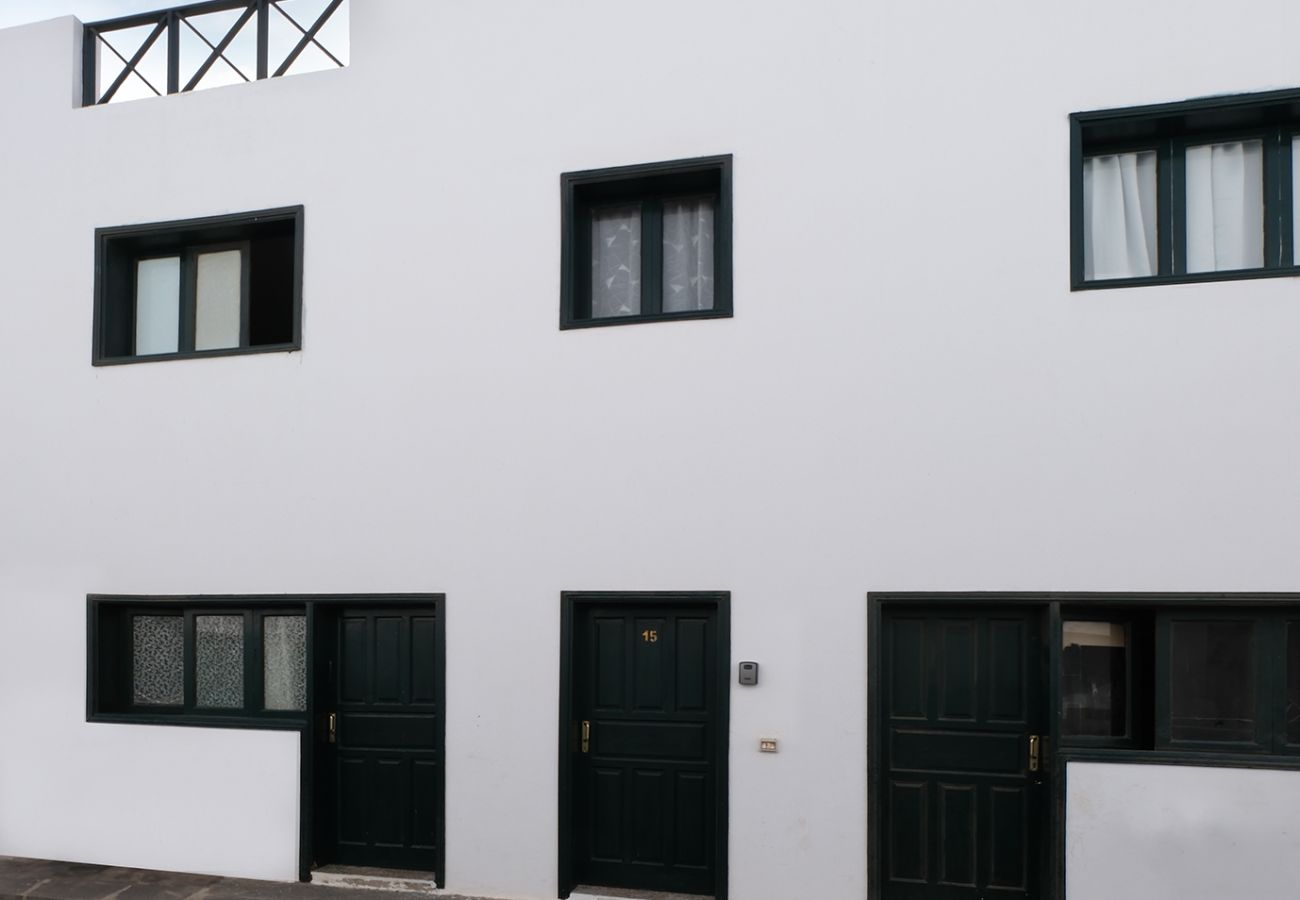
pixel 1189 278
pixel 194 354
pixel 639 320
pixel 274 723
pixel 1201 758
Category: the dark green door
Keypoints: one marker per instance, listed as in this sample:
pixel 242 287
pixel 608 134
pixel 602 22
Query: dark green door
pixel 380 769
pixel 645 705
pixel 964 815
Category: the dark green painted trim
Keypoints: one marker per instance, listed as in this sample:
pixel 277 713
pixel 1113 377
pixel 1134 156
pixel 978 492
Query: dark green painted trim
pixel 305 724
pixel 185 248
pixel 720 601
pixel 652 182
pixel 875 833
pixel 1181 758
pixel 1053 848
pixel 1169 128
pixel 1199 105
pixel 1101 598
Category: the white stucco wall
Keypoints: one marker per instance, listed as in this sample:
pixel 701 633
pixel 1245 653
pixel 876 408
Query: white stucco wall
pixel 1181 833
pixel 908 397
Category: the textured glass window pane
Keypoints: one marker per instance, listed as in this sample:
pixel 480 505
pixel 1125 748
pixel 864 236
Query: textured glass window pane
pixel 217 300
pixel 1293 683
pixel 1119 215
pixel 688 255
pixel 616 261
pixel 1094 679
pixel 157 305
pixel 1295 196
pixel 157 648
pixel 284 644
pixel 219 661
pixel 1225 206
pixel 1211 681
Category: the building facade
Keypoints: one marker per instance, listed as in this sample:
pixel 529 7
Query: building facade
pixel 942 389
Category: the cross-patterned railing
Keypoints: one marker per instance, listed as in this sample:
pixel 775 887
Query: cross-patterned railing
pixel 270 38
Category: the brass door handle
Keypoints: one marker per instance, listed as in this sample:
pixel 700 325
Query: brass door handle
pixel 333 726
pixel 1034 743
pixel 586 736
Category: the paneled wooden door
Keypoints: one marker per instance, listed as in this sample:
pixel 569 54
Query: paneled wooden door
pixel 964 805
pixel 647 722
pixel 379 738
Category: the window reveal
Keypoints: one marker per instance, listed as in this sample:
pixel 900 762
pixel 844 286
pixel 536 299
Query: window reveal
pixel 228 284
pixel 1193 191
pixel 647 243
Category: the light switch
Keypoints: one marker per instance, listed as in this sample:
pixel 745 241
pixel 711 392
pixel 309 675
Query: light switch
pixel 767 745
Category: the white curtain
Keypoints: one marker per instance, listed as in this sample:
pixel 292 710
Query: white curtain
pixel 688 255
pixel 615 261
pixel 1225 206
pixel 1119 215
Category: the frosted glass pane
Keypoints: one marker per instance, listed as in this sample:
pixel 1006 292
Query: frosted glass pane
pixel 219 661
pixel 688 255
pixel 1225 206
pixel 157 305
pixel 616 261
pixel 216 302
pixel 284 645
pixel 157 648
pixel 1295 196
pixel 1119 215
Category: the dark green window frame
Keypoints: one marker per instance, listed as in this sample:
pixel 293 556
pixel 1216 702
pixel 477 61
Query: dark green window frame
pixel 271 244
pixel 1273 683
pixel 110 688
pixel 650 185
pixel 1168 130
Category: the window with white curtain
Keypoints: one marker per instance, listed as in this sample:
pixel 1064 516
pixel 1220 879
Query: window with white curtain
pixel 1190 191
pixel 647 243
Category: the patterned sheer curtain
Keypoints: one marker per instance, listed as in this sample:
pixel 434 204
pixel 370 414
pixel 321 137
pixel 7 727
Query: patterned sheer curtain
pixel 688 255
pixel 1225 206
pixel 1119 215
pixel 616 261
pixel 688 259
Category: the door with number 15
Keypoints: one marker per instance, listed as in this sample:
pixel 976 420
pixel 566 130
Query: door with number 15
pixel 645 727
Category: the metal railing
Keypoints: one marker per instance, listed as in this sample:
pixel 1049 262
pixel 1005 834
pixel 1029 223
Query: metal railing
pixel 169 23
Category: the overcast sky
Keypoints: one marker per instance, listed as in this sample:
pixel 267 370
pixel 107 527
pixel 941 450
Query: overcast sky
pixel 17 12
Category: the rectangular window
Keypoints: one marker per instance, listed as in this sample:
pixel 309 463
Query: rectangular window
pixel 201 287
pixel 243 660
pixel 1193 191
pixel 646 243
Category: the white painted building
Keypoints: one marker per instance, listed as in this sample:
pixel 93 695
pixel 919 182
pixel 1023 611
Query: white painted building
pixel 909 450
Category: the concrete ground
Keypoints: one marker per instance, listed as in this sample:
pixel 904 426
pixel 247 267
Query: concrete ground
pixel 42 879
pixel 39 879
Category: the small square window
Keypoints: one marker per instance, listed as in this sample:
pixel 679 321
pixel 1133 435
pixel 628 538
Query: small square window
pixel 201 287
pixel 646 243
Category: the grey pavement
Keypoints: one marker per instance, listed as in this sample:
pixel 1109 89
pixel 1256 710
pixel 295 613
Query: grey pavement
pixel 39 879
